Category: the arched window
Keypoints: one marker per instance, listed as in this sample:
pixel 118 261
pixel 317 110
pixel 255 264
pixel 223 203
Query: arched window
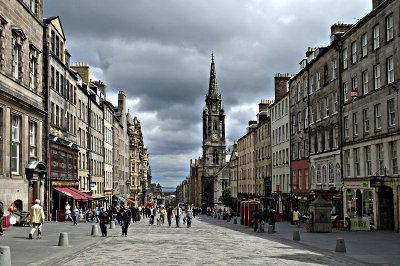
pixel 338 175
pixel 313 175
pixel 331 174
pixel 324 177
pixel 318 174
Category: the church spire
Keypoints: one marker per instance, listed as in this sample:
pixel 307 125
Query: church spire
pixel 213 87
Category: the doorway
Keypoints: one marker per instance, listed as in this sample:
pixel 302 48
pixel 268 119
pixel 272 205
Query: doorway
pixel 386 212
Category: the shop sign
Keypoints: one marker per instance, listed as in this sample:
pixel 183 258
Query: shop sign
pixel 109 193
pixel 356 184
pixel 359 224
pixel 375 182
pixel 93 186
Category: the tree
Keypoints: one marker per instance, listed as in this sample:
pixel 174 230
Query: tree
pixel 226 197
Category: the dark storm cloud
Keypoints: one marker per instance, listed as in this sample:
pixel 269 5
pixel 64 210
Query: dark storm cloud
pixel 158 52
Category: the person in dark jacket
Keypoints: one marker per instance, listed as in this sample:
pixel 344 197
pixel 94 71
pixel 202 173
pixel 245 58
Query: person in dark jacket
pixel 125 217
pixel 104 218
pixel 272 218
pixel 170 215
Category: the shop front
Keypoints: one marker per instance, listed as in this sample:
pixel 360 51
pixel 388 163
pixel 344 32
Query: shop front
pixel 63 173
pixel 360 200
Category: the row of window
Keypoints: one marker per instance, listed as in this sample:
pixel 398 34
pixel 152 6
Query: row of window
pixel 376 42
pixel 298 182
pixel 366 117
pixel 62 86
pixel 280 134
pixel 280 110
pixel 61 119
pixel 325 174
pixel 300 90
pixel 369 169
pixel 365 81
pixel 281 183
pixel 251 188
pixel 280 157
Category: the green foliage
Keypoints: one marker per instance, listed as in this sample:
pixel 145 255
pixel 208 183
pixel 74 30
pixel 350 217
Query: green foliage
pixel 226 198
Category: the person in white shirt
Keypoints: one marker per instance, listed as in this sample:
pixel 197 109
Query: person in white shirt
pixel 178 213
pixel 67 212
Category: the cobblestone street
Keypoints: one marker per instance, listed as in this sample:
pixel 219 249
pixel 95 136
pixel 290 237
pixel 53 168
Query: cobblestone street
pixel 203 244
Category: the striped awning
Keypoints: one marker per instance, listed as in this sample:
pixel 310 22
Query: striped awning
pixel 121 198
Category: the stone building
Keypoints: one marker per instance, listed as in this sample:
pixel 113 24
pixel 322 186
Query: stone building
pixel 23 112
pixel 136 149
pixel 121 148
pixel 262 145
pixel 213 141
pixel 324 121
pixel 246 163
pixel 60 83
pixel 253 166
pixel 108 149
pixel 280 145
pixel 299 135
pixel 233 175
pixel 370 117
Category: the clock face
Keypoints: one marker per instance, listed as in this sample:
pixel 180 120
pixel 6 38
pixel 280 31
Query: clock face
pixel 214 136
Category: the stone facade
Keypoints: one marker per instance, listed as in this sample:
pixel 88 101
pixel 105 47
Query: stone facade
pixel 280 144
pixel 299 137
pixel 324 123
pixel 22 106
pixel 371 139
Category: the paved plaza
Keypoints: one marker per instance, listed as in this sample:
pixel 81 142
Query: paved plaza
pixel 209 241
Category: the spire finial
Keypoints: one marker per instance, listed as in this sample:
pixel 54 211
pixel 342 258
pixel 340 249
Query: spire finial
pixel 212 56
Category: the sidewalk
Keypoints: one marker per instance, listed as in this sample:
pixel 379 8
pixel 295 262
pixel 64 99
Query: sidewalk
pixel 369 247
pixel 45 251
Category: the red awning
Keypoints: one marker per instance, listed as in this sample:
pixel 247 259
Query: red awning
pixel 81 193
pixel 69 192
pixel 129 200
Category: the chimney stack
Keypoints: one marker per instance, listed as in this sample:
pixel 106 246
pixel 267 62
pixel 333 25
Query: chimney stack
pixel 83 69
pixel 280 84
pixel 122 103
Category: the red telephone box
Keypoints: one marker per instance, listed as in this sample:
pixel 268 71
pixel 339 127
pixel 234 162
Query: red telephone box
pixel 246 210
pixel 242 212
pixel 253 207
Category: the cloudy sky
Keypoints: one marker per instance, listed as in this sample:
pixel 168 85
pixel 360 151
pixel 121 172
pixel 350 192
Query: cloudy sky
pixel 158 52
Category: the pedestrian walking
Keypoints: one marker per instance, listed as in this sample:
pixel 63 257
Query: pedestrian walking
pixel 178 213
pixel 37 219
pixel 170 215
pixel 151 219
pixel 189 213
pixel 162 214
pixel 125 217
pixel 67 212
pixel 348 221
pixel 1 217
pixel 309 222
pixel 75 214
pixel 272 218
pixel 296 215
pixel 104 218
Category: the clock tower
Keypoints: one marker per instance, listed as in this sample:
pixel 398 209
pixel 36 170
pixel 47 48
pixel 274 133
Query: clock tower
pixel 213 139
